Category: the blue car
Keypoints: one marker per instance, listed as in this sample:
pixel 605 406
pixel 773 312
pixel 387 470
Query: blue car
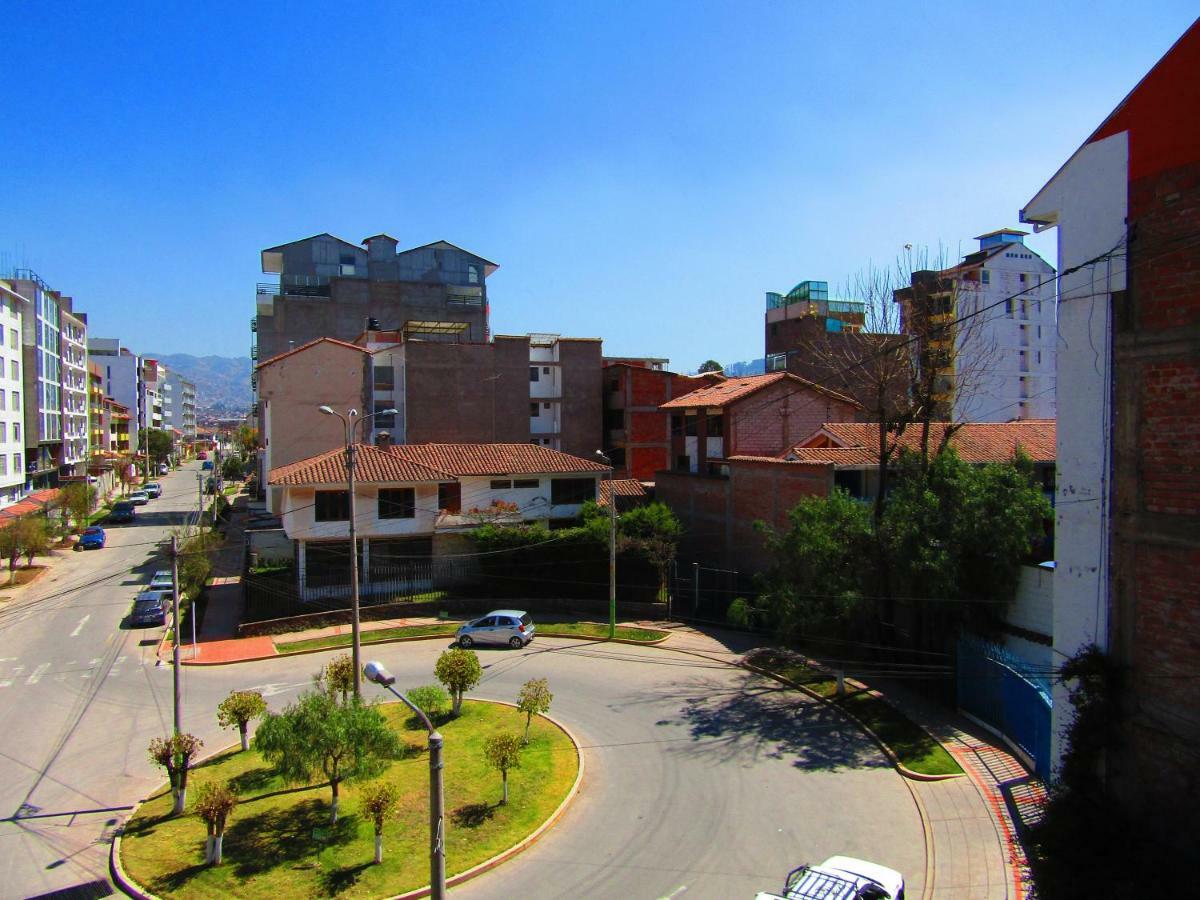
pixel 208 464
pixel 92 538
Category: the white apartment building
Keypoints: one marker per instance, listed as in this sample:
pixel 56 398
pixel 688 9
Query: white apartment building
pixel 121 373
pixel 13 308
pixel 179 405
pixel 73 351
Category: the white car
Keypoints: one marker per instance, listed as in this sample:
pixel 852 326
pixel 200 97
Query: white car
pixel 840 878
pixel 140 498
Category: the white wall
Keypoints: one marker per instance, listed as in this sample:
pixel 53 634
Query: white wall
pixel 12 442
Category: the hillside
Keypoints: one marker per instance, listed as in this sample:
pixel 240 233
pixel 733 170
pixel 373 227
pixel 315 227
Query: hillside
pixel 222 382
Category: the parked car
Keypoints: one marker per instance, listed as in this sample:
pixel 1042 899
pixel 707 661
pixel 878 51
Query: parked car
pixel 122 511
pixel 210 485
pixel 840 878
pixel 153 490
pixel 93 538
pixel 150 608
pixel 139 498
pixel 208 464
pixel 162 581
pixel 501 626
pixel 203 455
pixel 163 469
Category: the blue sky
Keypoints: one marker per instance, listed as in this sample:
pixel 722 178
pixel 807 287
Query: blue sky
pixel 642 172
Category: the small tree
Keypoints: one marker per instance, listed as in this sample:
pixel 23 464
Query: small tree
pixel 711 365
pixel 533 700
pixel 159 443
pixel 238 709
pixel 78 499
pixel 503 753
pixel 339 675
pixel 316 734
pixel 214 804
pixel 379 802
pixel 33 531
pixel 10 548
pixel 430 699
pixel 459 671
pixel 175 755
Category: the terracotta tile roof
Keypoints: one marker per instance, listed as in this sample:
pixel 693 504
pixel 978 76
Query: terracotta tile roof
pixel 277 357
pixel 432 462
pixel 38 501
pixel 624 487
pixel 856 443
pixel 733 389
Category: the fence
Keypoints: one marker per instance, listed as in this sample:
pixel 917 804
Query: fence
pixel 703 594
pixel 1007 694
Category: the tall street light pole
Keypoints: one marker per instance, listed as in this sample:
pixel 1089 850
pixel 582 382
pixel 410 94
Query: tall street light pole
pixel 612 549
pixel 350 421
pixel 437 839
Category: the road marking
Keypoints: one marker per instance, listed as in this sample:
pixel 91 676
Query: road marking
pixel 36 675
pixel 675 893
pixel 79 627
pixel 16 673
pixel 270 690
pixel 91 665
pixel 116 669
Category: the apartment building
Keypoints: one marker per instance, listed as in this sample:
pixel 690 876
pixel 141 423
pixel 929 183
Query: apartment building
pixel 74 373
pixel 121 371
pixel 329 287
pixel 13 308
pixel 42 379
pixel 179 409
pixel 987 330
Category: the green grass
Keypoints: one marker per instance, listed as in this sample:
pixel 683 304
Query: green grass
pixel 916 749
pixel 381 635
pixel 279 842
pixel 232 489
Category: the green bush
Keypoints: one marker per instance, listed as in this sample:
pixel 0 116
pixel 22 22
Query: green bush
pixel 430 699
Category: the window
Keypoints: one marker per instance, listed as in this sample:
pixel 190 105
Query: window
pixel 534 410
pixel 534 374
pixel 450 496
pixel 16 428
pixel 3 463
pixel 3 432
pixel 2 404
pixel 525 483
pixel 987 277
pixel 16 398
pixel 545 406
pixel 472 273
pixel 332 506
pixel 500 484
pixel 16 462
pixel 397 503
pixel 545 370
pixel 683 464
pixel 346 259
pixel 569 491
pixel 385 378
pixel 689 424
pixel 716 425
pixel 1022 277
pixel 384 421
pixel 677 424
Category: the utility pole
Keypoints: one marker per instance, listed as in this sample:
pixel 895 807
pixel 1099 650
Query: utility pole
pixel 354 632
pixel 612 549
pixel 175 629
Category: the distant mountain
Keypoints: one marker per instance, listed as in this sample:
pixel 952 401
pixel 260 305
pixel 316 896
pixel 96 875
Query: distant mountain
pixel 222 382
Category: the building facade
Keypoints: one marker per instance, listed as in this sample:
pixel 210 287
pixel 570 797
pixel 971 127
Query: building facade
pixel 13 309
pixel 121 371
pixel 74 373
pixel 43 391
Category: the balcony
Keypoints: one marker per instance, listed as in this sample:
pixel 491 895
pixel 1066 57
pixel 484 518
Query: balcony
pixel 253 324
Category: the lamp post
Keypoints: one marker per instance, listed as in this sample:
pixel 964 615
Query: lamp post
pixel 612 549
pixel 351 421
pixel 376 673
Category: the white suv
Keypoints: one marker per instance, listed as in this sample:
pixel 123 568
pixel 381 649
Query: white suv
pixel 841 878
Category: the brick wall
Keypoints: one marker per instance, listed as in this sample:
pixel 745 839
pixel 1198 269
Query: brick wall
pixel 582 422
pixel 778 417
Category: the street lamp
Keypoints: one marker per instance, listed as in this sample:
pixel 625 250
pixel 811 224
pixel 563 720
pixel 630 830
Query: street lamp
pixel 351 421
pixel 612 549
pixel 437 849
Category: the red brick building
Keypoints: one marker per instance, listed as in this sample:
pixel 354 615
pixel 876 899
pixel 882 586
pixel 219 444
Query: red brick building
pixel 1127 206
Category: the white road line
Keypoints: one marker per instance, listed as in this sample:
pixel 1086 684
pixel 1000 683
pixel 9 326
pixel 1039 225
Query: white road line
pixel 36 675
pixel 675 893
pixel 116 669
pixel 91 665
pixel 16 673
pixel 79 627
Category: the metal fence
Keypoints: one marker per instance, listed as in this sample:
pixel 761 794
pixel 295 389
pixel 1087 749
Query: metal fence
pixel 1007 693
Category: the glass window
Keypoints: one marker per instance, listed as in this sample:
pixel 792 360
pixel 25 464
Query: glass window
pixel 987 277
pixel 567 491
pixel 3 431
pixel 3 463
pixel 500 484
pixel 332 506
pixel 12 337
pixel 689 425
pixel 534 374
pixel 450 496
pixel 385 378
pixel 534 410
pixel 16 398
pixel 525 483
pixel 397 503
pixel 16 462
pixel 384 421
pixel 716 425
pixel 472 273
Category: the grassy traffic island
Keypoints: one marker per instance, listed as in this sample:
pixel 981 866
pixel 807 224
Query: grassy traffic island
pixel 279 841
pixel 588 630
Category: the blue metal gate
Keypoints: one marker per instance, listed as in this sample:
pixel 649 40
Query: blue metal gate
pixel 1009 694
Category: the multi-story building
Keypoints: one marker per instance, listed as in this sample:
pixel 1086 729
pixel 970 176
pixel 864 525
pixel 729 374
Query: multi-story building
pixel 13 308
pixel 180 412
pixel 1126 205
pixel 122 371
pixel 986 331
pixel 97 435
pixel 42 379
pixel 331 288
pixel 74 373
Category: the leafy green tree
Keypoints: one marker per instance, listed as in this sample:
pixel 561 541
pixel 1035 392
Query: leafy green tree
pixel 33 532
pixel 533 700
pixel 175 754
pixel 317 735
pixel 814 586
pixel 214 805
pixel 430 699
pixel 238 709
pixel 339 675
pixel 233 468
pixel 503 753
pixel 78 499
pixel 711 365
pixel 459 671
pixel 379 801
pixel 246 439
pixel 10 548
pixel 158 443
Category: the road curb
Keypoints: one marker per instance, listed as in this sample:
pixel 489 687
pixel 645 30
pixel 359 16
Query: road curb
pixel 127 884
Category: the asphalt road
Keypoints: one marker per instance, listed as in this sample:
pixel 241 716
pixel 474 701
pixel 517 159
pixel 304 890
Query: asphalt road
pixel 702 780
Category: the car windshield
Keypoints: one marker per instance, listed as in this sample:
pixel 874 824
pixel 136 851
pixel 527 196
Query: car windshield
pixel 148 603
pixel 92 531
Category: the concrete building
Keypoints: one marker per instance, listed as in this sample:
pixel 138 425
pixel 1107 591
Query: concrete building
pixel 122 372
pixel 329 287
pixel 987 329
pixel 179 411
pixel 1127 208
pixel 42 370
pixel 73 351
pixel 13 308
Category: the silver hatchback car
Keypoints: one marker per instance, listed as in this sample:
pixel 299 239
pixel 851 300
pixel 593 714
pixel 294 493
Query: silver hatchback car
pixel 501 626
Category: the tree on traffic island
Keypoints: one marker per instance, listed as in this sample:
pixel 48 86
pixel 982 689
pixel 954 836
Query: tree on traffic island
pixel 459 671
pixel 214 804
pixel 33 531
pixel 379 801
pixel 175 755
pixel 533 700
pixel 503 753
pixel 10 548
pixel 238 709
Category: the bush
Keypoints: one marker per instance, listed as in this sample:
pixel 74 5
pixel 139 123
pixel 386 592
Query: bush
pixel 740 613
pixel 430 699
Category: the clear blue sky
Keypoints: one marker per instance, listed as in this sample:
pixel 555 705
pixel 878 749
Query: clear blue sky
pixel 642 172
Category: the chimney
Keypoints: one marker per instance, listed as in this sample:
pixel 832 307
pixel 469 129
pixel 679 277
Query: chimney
pixel 380 247
pixel 383 440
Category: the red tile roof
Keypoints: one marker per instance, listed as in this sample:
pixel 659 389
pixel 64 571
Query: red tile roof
pixel 38 501
pixel 277 357
pixel 856 443
pixel 624 487
pixel 432 462
pixel 734 389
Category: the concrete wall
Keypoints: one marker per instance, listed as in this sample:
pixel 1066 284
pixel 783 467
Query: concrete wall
pixel 582 423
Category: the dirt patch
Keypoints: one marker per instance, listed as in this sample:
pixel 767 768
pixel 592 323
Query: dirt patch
pixel 26 575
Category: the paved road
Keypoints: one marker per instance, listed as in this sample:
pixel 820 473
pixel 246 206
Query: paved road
pixel 702 780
